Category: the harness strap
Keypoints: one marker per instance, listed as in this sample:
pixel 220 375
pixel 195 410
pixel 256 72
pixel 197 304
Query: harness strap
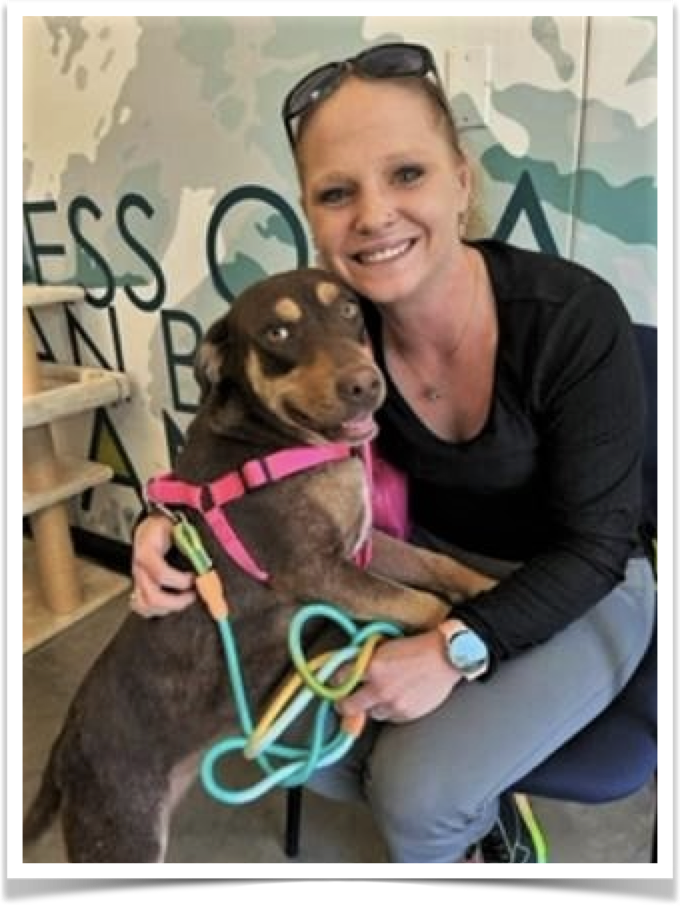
pixel 210 499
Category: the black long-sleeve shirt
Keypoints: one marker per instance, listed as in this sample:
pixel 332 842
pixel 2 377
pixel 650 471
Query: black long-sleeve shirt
pixel 553 478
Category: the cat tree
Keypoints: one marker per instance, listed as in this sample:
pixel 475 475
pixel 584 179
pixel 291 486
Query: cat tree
pixel 59 587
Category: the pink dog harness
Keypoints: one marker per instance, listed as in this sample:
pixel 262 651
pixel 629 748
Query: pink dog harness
pixel 210 499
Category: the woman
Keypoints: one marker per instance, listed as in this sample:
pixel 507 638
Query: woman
pixel 515 408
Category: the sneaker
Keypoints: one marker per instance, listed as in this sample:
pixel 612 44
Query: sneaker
pixel 516 835
pixel 474 853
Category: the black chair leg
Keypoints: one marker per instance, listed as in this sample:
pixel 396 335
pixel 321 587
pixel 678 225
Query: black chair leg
pixel 655 829
pixel 293 814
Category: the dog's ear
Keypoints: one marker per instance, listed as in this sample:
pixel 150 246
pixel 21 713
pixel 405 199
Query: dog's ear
pixel 211 356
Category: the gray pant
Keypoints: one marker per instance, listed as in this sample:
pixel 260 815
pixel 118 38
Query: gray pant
pixel 433 784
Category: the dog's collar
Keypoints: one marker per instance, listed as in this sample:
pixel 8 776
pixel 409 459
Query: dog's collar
pixel 211 498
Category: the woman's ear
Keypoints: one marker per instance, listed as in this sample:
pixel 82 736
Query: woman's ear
pixel 464 182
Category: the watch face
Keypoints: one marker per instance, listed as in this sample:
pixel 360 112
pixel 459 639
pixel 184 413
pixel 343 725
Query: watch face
pixel 468 651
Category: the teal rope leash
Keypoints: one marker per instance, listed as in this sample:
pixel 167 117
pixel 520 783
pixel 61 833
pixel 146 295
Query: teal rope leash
pixel 260 744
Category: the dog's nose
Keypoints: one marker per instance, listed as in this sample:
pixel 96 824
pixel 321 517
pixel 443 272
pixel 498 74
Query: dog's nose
pixel 361 385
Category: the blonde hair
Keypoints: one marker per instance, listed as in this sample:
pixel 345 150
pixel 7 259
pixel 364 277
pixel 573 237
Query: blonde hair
pixel 474 224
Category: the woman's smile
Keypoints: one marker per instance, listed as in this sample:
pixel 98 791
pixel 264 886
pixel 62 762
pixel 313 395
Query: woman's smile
pixel 382 253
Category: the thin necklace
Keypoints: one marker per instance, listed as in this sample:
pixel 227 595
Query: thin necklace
pixel 432 393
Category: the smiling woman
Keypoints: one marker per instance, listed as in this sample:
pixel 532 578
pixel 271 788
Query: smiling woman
pixel 489 377
pixel 515 409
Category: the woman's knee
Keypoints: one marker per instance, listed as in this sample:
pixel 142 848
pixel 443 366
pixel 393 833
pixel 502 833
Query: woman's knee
pixel 423 817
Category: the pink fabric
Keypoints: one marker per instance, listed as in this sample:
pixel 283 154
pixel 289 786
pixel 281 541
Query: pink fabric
pixel 390 497
pixel 210 499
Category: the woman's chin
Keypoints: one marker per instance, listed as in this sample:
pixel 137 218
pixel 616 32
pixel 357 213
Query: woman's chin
pixel 381 286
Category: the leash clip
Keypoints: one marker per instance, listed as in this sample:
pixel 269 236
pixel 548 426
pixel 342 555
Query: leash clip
pixel 157 506
pixel 189 542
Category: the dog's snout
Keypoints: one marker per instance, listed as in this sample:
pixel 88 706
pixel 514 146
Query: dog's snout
pixel 362 385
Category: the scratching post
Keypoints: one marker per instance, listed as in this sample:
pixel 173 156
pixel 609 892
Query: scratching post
pixel 55 560
pixel 61 585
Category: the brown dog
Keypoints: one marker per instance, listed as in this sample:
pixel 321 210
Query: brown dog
pixel 289 365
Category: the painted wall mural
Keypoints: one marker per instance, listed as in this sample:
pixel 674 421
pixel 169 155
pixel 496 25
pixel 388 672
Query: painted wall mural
pixel 157 176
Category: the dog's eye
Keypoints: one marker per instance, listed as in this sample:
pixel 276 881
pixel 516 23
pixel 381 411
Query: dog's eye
pixel 277 333
pixel 349 310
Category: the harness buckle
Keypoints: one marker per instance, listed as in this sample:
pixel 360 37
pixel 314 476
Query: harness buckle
pixel 156 505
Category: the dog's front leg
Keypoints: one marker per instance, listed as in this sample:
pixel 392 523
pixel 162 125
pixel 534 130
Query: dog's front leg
pixel 422 568
pixel 371 597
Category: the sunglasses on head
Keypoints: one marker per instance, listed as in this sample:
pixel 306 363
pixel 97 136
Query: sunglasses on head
pixel 384 61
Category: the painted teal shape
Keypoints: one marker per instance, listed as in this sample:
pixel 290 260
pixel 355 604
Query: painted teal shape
pixel 230 111
pixel 546 33
pixel 276 227
pixel 614 143
pixel 204 42
pixel 240 273
pixel 298 45
pixel 88 274
pixel 325 37
pixel 525 200
pixel 145 181
pixel 627 212
pixel 243 265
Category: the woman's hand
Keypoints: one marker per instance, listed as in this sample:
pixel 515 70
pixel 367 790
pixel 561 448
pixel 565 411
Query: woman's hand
pixel 406 678
pixel 160 589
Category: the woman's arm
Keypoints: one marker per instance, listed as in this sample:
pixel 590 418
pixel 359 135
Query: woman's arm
pixel 588 404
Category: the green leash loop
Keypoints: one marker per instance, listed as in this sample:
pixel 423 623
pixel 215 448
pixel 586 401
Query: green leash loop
pixel 286 765
pixel 357 636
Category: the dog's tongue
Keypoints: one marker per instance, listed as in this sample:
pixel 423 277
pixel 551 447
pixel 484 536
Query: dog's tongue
pixel 359 428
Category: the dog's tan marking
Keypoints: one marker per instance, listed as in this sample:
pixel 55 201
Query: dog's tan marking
pixel 209 362
pixel 261 385
pixel 288 310
pixel 269 390
pixel 335 494
pixel 327 293
pixel 310 389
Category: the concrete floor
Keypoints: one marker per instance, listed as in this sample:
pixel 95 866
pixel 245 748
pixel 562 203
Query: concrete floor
pixel 205 831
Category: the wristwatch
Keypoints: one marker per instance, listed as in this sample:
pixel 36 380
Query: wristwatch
pixel 465 649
